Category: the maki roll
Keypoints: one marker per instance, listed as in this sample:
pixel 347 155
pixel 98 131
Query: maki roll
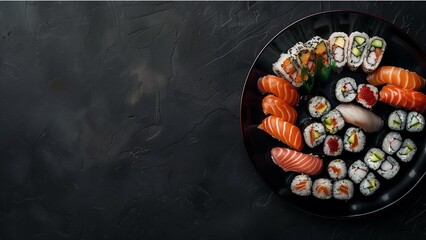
pixel 357 171
pixel 322 188
pixel 337 169
pixel 306 57
pixel 367 95
pixel 343 189
pixel 301 185
pixel 354 140
pixel 318 106
pixel 339 43
pixel 392 142
pixel 333 145
pixel 322 58
pixel 374 158
pixel 397 119
pixel 389 168
pixel 346 90
pixel 357 50
pixel 286 68
pixel 314 134
pixel 333 121
pixel 375 49
pixel 407 151
pixel 369 185
pixel 415 122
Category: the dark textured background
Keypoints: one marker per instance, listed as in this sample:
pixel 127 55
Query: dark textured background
pixel 120 120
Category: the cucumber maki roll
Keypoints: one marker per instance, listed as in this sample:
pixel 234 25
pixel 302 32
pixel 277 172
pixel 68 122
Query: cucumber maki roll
pixel 415 122
pixel 375 49
pixel 339 43
pixel 392 142
pixel 407 150
pixel 346 90
pixel 397 119
pixel 357 171
pixel 285 67
pixel 389 168
pixel 369 185
pixel 374 158
pixel 343 189
pixel 357 50
pixel 333 121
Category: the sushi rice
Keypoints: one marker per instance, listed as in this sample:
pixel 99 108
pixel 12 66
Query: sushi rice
pixel 284 67
pixel 314 134
pixel 333 121
pixel 392 142
pixel 389 168
pixel 369 185
pixel 346 90
pixel 337 169
pixel 397 119
pixel 343 189
pixel 367 95
pixel 407 151
pixel 301 185
pixel 333 145
pixel 415 122
pixel 339 43
pixel 354 140
pixel 357 171
pixel 374 158
pixel 357 49
pixel 375 49
pixel 318 106
pixel 322 188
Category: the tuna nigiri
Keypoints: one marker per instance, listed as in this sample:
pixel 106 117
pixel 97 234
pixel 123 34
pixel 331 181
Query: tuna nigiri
pixel 283 131
pixel 290 160
pixel 279 87
pixel 406 98
pixel 279 108
pixel 396 76
pixel 360 117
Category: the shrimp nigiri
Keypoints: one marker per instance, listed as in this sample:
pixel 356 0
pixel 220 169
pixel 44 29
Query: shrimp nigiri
pixel 278 107
pixel 360 117
pixel 290 160
pixel 406 98
pixel 283 131
pixel 280 88
pixel 396 76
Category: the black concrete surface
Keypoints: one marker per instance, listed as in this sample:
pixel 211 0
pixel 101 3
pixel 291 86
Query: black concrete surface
pixel 120 120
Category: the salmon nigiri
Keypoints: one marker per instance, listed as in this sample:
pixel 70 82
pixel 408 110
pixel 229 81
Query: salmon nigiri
pixel 406 98
pixel 279 87
pixel 279 108
pixel 283 131
pixel 360 117
pixel 290 160
pixel 396 76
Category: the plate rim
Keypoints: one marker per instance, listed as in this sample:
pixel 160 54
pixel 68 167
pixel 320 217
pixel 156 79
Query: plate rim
pixel 396 28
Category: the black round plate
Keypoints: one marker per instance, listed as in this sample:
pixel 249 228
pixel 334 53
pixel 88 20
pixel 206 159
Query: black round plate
pixel 401 51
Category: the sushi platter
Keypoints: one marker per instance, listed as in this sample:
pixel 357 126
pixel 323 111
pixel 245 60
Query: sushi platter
pixel 332 114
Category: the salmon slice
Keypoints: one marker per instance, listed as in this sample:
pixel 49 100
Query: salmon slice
pixel 280 88
pixel 279 108
pixel 405 98
pixel 344 189
pixel 290 160
pixel 283 131
pixel 396 76
pixel 324 189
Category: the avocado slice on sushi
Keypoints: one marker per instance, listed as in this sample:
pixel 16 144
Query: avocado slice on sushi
pixel 376 157
pixel 340 41
pixel 321 107
pixel 377 43
pixel 356 51
pixel 304 57
pixel 321 48
pixel 359 40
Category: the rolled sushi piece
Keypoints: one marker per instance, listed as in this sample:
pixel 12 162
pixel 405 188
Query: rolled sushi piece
pixel 392 142
pixel 333 121
pixel 376 47
pixel 374 158
pixel 415 122
pixel 407 151
pixel 389 168
pixel 357 171
pixel 343 189
pixel 285 67
pixel 301 185
pixel 339 43
pixel 369 185
pixel 306 57
pixel 367 95
pixel 337 169
pixel 354 140
pixel 294 51
pixel 357 49
pixel 322 188
pixel 333 145
pixel 314 134
pixel 322 58
pixel 346 90
pixel 397 119
pixel 318 106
